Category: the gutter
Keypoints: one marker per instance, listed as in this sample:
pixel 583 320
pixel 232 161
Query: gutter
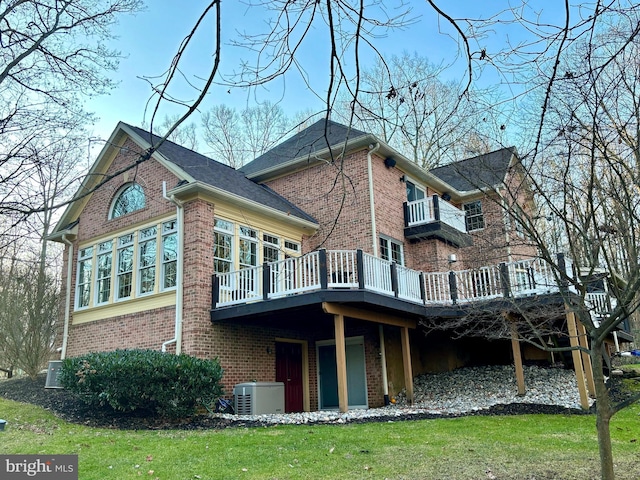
pixel 67 300
pixel 177 336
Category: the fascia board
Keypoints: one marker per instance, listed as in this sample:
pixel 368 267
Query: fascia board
pixel 186 191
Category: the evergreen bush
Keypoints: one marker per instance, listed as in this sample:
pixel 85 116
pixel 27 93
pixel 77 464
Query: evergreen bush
pixel 172 386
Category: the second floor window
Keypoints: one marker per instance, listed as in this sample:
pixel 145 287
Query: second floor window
pixel 248 247
pixel 83 288
pixel 124 276
pixel 103 274
pixel 169 254
pixel 132 265
pixel 474 218
pixel 147 260
pixel 222 246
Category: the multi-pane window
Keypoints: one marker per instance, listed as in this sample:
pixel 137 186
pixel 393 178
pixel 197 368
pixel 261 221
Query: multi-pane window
pixel 124 278
pixel 289 245
pixel 134 264
pixel 222 246
pixel 130 199
pixel 248 246
pixel 391 250
pixel 103 271
pixel 474 218
pixel 270 248
pixel 83 288
pixel 147 244
pixel 242 247
pixel 169 254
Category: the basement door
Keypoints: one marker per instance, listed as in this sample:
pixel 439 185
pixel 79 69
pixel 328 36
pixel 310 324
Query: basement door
pixel 328 374
pixel 289 372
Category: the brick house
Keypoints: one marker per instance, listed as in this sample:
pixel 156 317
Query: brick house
pixel 312 266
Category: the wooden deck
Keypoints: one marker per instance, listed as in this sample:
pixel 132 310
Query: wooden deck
pixel 342 270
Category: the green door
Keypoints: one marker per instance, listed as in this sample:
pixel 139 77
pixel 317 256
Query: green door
pixel 328 375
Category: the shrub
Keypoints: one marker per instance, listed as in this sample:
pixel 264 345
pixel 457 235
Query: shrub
pixel 127 380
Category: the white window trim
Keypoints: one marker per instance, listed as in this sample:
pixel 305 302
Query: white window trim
pixel 163 263
pixel 135 293
pixel 481 214
pixel 116 197
pixel 81 259
pixel 139 267
pixel 97 279
pixel 389 241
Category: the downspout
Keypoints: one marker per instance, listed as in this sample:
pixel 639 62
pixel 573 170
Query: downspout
pixel 67 300
pixel 372 150
pixel 177 336
pixel 374 244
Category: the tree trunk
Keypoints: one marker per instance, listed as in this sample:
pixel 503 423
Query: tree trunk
pixel 604 413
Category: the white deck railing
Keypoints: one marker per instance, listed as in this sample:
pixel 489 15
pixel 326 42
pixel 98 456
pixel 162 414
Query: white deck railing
pixel 600 303
pixel 423 211
pixel 353 269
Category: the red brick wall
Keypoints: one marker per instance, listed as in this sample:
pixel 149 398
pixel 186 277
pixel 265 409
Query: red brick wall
pixel 150 328
pixel 94 220
pixel 337 196
pixel 139 330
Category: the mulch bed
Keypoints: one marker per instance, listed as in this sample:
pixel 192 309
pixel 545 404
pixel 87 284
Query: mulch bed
pixel 69 407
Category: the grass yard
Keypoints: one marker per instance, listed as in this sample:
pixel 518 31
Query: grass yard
pixel 482 447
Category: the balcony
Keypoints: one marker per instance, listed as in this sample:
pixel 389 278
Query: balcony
pixel 356 271
pixel 435 218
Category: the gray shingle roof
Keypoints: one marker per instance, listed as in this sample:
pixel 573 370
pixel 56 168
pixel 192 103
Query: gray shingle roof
pixel 216 174
pixel 483 171
pixel 317 137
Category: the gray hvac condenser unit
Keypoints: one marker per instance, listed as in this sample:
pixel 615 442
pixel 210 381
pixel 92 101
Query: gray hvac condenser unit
pixel 255 398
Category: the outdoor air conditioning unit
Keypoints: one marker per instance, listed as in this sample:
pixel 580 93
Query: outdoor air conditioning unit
pixel 254 398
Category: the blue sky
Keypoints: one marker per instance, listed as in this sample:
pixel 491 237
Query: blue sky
pixel 150 39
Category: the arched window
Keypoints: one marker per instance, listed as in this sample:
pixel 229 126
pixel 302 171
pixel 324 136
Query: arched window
pixel 130 199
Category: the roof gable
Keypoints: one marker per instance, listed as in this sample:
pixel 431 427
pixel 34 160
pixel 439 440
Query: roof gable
pixel 189 167
pixel 201 168
pixel 320 136
pixel 477 173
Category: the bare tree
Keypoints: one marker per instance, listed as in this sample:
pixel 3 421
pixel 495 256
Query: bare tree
pixel 186 135
pixel 583 165
pixel 53 53
pixel 404 101
pixel 239 137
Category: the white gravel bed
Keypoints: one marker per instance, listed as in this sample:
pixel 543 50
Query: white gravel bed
pixel 462 391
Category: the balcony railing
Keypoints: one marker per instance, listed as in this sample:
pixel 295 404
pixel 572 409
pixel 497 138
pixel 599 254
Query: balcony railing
pixel 434 209
pixel 354 269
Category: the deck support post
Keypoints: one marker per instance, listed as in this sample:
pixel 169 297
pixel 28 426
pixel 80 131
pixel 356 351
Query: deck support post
pixel 586 359
pixel 406 363
pixel 517 357
pixel 577 357
pixel 341 363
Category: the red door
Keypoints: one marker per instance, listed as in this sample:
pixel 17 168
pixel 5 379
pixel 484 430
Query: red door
pixel 289 372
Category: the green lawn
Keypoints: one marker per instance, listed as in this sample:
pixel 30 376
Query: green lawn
pixel 510 447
